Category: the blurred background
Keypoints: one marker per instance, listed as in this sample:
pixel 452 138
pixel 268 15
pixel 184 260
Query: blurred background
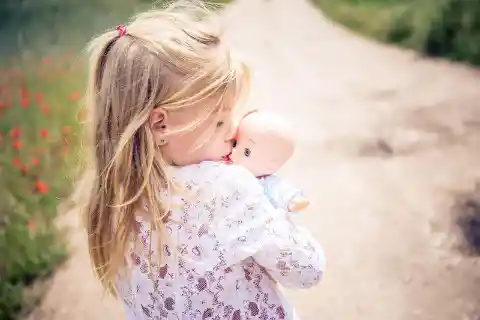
pixel 387 107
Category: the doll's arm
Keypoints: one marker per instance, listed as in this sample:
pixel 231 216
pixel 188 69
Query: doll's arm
pixel 282 194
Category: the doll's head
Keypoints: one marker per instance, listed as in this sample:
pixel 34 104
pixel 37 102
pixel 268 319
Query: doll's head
pixel 263 144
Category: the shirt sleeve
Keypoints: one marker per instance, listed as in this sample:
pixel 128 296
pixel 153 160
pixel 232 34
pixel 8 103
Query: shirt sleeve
pixel 278 191
pixel 246 224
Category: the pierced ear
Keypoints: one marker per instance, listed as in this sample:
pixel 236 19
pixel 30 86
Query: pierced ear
pixel 157 123
pixel 157 119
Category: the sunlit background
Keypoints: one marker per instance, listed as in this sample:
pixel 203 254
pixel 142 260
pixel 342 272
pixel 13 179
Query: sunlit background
pixel 385 95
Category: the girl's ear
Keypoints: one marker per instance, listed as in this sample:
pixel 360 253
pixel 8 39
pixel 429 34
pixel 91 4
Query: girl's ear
pixel 157 120
pixel 157 123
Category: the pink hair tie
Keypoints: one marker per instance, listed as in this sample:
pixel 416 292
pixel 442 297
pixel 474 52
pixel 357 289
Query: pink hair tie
pixel 122 30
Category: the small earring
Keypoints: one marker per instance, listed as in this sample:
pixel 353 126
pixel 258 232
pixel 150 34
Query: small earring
pixel 162 142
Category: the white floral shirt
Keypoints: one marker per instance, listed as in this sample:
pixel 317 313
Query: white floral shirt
pixel 227 249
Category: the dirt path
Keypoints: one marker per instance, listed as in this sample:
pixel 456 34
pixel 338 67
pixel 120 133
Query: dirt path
pixel 387 140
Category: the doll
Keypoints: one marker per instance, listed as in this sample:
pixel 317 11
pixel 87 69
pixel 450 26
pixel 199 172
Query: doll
pixel 263 145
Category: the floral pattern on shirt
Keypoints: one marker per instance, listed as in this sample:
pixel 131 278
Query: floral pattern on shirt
pixel 226 250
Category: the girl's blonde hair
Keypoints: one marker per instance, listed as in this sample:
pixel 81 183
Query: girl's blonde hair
pixel 171 59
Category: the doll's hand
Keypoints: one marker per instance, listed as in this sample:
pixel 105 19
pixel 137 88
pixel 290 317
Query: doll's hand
pixel 298 204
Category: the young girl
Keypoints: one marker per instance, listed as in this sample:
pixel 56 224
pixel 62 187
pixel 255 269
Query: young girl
pixel 173 231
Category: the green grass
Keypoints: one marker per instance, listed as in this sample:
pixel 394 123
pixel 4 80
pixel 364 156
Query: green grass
pixel 371 17
pixel 394 21
pixel 446 28
pixel 39 139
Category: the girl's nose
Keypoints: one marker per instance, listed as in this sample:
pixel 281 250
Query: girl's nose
pixel 231 132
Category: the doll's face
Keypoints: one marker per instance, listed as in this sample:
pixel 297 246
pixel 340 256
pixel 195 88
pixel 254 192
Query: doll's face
pixel 261 148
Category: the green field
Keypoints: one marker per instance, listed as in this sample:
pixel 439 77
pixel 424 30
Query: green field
pixel 441 28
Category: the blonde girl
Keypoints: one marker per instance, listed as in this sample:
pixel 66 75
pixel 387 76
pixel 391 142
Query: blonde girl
pixel 173 231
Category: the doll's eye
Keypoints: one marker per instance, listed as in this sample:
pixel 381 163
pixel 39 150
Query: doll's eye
pixel 234 143
pixel 220 123
pixel 247 152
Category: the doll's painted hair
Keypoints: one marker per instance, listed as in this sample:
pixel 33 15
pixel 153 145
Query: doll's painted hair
pixel 170 58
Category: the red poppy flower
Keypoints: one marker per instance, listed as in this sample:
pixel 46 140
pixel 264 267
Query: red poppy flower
pixel 44 133
pixel 35 161
pixel 74 95
pixel 41 187
pixel 17 144
pixel 15 132
pixel 39 97
pixel 66 130
pixel 45 109
pixel 23 90
pixel 25 102
pixel 17 162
